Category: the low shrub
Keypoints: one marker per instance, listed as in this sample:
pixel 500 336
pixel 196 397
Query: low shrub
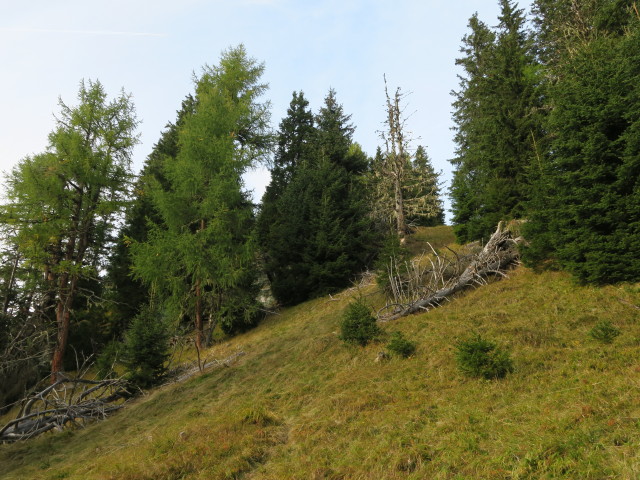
pixel 400 345
pixel 604 332
pixel 477 357
pixel 358 324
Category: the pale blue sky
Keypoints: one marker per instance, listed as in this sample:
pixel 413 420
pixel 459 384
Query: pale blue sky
pixel 151 49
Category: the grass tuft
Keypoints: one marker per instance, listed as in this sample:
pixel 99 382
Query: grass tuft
pixel 604 332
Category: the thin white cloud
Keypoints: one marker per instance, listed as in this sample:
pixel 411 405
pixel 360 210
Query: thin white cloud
pixel 82 32
pixel 268 3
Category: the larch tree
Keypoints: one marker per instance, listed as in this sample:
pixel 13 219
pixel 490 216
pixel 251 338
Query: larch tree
pixel 127 293
pixel 64 202
pixel 201 260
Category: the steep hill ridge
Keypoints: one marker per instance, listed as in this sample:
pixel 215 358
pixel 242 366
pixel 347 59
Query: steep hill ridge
pixel 300 404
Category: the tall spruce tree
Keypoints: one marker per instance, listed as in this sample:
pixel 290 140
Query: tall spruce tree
pixel 296 141
pixel 471 142
pixel 334 136
pixel 202 257
pixel 318 235
pixel 497 116
pixel 423 187
pixel 295 145
pixel 322 239
pixel 585 215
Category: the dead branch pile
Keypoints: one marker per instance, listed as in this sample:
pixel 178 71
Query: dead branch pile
pixel 426 286
pixel 67 402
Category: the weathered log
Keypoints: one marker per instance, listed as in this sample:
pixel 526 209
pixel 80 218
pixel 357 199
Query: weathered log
pixel 499 252
pixel 67 401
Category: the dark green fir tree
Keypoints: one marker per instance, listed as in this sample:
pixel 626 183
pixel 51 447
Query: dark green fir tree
pixel 498 124
pixel 319 235
pixel 585 214
pixel 423 192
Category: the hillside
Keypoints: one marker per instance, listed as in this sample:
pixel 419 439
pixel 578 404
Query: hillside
pixel 300 404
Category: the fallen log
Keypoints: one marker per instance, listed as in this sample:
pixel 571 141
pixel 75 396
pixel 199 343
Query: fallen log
pixel 500 252
pixel 68 401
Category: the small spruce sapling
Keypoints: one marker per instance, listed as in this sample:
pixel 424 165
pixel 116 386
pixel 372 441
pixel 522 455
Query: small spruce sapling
pixel 400 345
pixel 604 332
pixel 358 324
pixel 146 348
pixel 477 357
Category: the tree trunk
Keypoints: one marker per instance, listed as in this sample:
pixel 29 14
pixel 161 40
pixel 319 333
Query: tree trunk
pixel 396 157
pixel 12 278
pixel 198 323
pixel 399 210
pixel 500 252
pixel 198 319
pixel 63 320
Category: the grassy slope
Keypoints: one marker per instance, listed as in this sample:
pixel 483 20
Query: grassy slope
pixel 302 405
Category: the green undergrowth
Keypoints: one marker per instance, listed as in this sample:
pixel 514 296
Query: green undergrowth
pixel 302 404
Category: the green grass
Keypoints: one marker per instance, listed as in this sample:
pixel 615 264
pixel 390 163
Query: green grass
pixel 438 237
pixel 301 404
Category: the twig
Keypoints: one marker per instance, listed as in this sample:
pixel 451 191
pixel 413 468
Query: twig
pixel 622 300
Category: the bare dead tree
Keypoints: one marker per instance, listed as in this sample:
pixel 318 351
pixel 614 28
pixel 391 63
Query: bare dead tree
pixel 397 158
pixel 425 288
pixel 426 274
pixel 400 187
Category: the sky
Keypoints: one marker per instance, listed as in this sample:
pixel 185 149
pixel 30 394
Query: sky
pixel 152 49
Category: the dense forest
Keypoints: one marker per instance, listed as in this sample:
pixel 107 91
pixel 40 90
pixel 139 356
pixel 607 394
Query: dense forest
pixel 100 263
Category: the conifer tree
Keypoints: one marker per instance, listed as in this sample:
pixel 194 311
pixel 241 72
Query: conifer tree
pixel 295 145
pixel 585 214
pixel 129 294
pixel 203 255
pixel 318 235
pixel 423 192
pixel 322 239
pixel 469 109
pixel 334 134
pixel 497 116
pixel 404 185
pixel 66 200
pixel 296 140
